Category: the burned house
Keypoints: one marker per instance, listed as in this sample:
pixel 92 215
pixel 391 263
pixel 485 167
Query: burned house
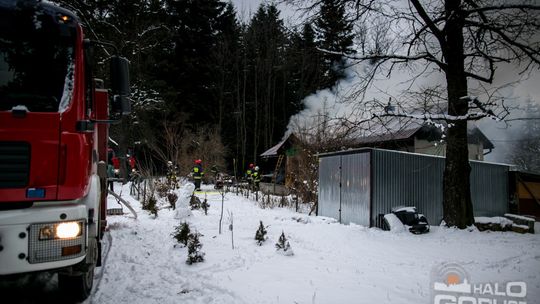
pixel 277 163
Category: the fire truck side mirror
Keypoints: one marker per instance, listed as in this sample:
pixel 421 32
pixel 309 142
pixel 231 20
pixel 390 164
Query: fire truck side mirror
pixel 120 85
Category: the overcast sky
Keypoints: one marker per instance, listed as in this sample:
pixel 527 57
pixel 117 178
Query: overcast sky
pixel 246 8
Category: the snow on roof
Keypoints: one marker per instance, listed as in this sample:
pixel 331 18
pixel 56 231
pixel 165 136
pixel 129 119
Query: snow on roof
pixel 399 128
pixel 389 136
pixel 275 149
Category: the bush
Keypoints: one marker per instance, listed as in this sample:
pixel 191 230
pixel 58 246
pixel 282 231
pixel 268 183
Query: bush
pixel 172 198
pixel 151 205
pixel 162 189
pixel 204 206
pixel 195 255
pixel 194 202
pixel 260 235
pixel 283 246
pixel 181 233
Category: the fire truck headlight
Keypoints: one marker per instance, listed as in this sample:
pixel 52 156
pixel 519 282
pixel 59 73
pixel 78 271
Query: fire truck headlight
pixel 68 230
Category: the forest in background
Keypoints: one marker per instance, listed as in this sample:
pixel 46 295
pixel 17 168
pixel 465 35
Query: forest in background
pixel 207 85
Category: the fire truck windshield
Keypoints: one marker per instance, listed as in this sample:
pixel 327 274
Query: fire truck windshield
pixel 36 60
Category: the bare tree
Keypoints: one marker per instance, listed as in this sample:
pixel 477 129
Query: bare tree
pixel 167 145
pixel 204 143
pixel 526 144
pixel 466 41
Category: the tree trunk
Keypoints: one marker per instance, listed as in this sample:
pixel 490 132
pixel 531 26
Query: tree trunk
pixel 457 203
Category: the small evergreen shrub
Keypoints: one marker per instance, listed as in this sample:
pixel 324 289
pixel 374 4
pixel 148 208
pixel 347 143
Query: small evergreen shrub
pixel 194 202
pixel 172 198
pixel 181 233
pixel 195 255
pixel 151 205
pixel 204 206
pixel 283 246
pixel 260 235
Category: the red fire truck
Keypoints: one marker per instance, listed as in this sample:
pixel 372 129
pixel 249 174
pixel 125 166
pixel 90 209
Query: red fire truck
pixel 53 144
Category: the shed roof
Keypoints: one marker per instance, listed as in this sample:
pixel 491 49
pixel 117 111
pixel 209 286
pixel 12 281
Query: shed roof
pixel 274 151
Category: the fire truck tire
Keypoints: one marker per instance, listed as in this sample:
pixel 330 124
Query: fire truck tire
pixel 78 286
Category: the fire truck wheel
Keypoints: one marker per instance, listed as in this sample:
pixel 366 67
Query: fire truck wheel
pixel 78 287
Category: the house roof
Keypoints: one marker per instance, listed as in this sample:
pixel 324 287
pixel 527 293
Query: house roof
pixel 398 128
pixel 389 136
pixel 274 151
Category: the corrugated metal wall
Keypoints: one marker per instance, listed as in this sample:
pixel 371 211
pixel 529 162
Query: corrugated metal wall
pixel 373 183
pixel 489 189
pixel 355 188
pixel 404 179
pixel 329 190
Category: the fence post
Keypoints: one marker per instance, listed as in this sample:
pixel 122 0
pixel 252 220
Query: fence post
pixel 144 194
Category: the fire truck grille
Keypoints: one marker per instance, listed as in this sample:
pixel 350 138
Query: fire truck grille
pixel 41 251
pixel 14 164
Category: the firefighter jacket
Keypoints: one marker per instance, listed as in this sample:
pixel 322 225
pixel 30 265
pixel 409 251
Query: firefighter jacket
pixel 256 176
pixel 197 172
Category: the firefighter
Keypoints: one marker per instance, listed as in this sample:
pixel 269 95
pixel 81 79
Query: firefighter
pixel 172 170
pixel 197 173
pixel 110 176
pixel 249 173
pixel 256 178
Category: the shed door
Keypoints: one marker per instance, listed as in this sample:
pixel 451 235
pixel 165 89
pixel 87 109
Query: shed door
pixel 329 191
pixel 355 189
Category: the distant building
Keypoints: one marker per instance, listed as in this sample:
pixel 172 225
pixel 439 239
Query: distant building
pixel 417 136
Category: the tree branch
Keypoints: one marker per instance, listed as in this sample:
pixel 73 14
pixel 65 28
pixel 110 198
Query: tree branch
pixel 500 7
pixel 430 23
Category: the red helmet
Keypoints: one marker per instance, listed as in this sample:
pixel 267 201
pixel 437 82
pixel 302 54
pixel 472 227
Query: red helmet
pixel 198 161
pixel 251 165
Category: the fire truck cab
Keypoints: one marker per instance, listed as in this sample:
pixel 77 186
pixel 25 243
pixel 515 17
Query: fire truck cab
pixel 53 144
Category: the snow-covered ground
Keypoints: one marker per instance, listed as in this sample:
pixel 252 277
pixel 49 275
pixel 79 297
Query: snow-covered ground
pixel 332 263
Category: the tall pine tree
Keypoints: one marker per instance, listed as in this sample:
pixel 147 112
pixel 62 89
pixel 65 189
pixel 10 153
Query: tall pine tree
pixel 335 36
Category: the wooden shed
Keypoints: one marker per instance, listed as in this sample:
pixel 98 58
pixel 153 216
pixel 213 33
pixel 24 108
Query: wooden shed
pixel 277 162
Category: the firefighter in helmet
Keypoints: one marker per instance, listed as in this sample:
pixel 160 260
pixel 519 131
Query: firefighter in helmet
pixel 249 174
pixel 256 178
pixel 197 173
pixel 172 171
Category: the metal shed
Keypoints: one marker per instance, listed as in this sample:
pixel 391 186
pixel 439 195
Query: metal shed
pixel 360 186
